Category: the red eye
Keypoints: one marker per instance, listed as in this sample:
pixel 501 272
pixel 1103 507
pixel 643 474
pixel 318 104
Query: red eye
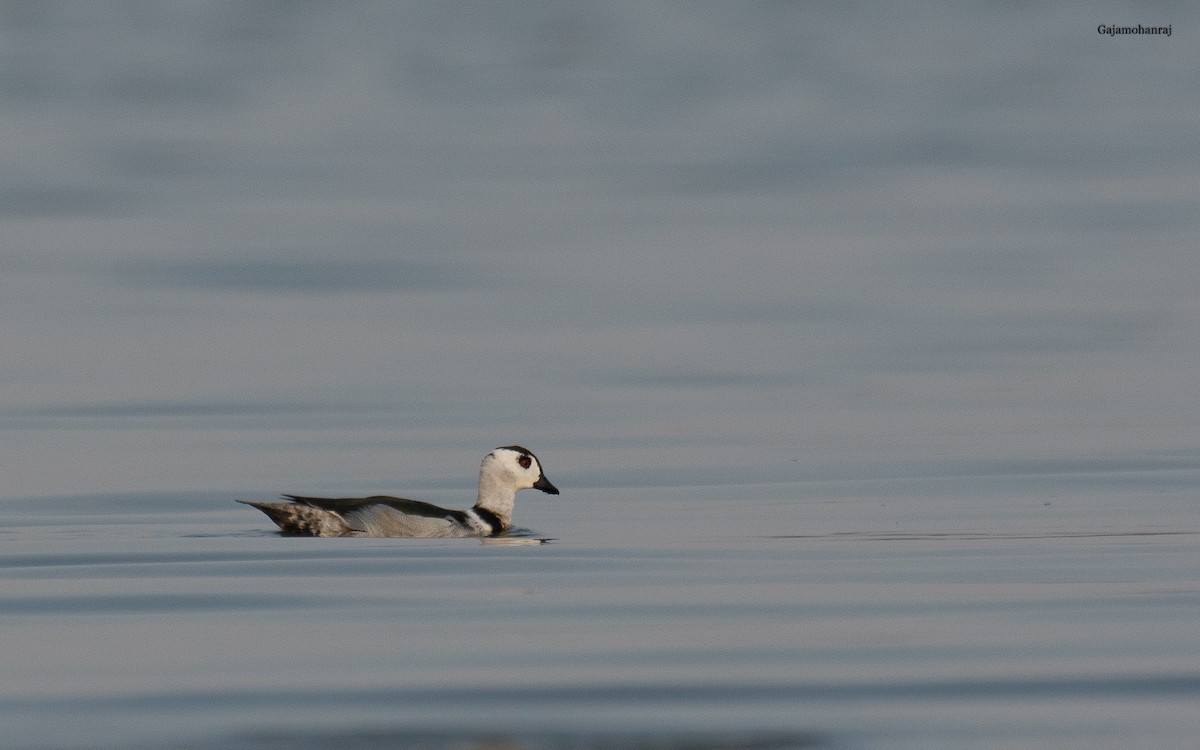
pixel 524 461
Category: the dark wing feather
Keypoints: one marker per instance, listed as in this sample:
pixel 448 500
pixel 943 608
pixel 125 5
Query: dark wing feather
pixel 351 504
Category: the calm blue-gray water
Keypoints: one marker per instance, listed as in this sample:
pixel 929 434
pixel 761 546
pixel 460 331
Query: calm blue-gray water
pixel 862 342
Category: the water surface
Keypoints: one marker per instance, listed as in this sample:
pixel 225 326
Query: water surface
pixel 861 342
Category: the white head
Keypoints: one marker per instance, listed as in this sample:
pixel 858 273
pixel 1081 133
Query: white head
pixel 504 472
pixel 516 467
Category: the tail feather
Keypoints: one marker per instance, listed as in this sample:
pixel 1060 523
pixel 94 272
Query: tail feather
pixel 296 519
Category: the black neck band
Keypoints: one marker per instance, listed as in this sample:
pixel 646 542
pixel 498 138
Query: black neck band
pixel 490 518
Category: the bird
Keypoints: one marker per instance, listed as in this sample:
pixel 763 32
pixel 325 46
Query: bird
pixel 504 472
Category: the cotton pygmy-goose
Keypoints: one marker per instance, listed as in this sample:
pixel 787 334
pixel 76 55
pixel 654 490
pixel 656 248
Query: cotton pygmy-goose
pixel 504 472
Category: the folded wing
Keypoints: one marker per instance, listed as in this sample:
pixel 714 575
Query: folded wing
pixel 383 515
